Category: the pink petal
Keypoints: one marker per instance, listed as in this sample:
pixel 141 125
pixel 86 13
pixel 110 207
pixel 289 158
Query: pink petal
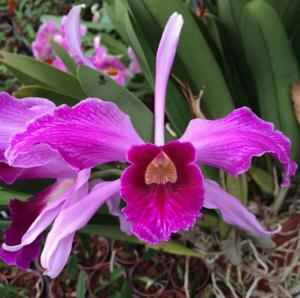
pixel 29 219
pixel 15 113
pixel 46 206
pixel 233 211
pixel 74 217
pixel 157 210
pixel 73 33
pixel 230 142
pixel 40 47
pixel 164 61
pixel 53 170
pixel 90 133
pixel 57 63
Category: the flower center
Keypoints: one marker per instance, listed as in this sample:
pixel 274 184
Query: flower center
pixel 161 170
pixel 112 71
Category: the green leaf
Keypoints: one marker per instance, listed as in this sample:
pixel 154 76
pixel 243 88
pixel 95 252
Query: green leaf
pixel 114 232
pixel 32 72
pixel 72 267
pixel 80 286
pixel 230 15
pixel 101 86
pixel 273 67
pixel 263 179
pixel 238 187
pixel 65 57
pixel 115 46
pixel 195 61
pixel 6 195
pixel 289 12
pixel 44 92
pixel 126 291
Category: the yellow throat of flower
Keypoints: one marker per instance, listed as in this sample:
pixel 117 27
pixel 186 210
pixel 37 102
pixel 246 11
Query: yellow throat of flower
pixel 112 71
pixel 161 170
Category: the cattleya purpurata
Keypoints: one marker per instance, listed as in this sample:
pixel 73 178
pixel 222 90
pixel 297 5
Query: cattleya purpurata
pixel 163 187
pixel 68 36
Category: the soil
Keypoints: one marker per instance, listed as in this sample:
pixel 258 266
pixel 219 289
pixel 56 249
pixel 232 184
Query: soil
pixel 152 269
pixel 101 277
pixel 125 254
pixel 30 283
pixel 199 274
pixel 97 254
pixel 171 294
pixel 62 289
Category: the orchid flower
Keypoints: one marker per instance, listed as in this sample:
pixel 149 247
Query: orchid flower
pixel 100 61
pixel 48 31
pixel 16 113
pixel 29 219
pixel 163 186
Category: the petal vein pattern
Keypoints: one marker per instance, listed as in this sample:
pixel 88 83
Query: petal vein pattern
pixel 90 133
pixel 231 142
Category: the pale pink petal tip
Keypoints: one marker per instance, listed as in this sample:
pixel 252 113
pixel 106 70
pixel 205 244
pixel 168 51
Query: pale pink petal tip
pixel 233 211
pixel 231 142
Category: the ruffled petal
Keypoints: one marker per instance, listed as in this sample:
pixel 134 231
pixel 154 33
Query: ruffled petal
pixel 73 33
pixel 157 210
pixel 233 211
pixel 59 240
pixel 164 61
pixel 43 209
pixel 88 134
pixel 231 142
pixel 15 113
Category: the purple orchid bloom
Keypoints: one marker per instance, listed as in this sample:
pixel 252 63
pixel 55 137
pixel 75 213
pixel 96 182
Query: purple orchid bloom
pixel 29 219
pixel 48 31
pixel 16 114
pixel 40 47
pixel 100 61
pixel 163 187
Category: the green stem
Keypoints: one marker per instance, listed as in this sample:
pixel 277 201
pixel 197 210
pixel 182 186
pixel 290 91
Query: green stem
pixel 106 174
pixel 278 201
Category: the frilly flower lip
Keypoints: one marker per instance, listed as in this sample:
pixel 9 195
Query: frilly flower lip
pixel 165 198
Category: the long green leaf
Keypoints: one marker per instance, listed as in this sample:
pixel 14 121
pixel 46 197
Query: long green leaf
pixel 114 232
pixel 263 179
pixel 101 86
pixel 40 91
pixel 289 12
pixel 6 195
pixel 80 286
pixel 32 72
pixel 273 67
pixel 65 57
pixel 230 15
